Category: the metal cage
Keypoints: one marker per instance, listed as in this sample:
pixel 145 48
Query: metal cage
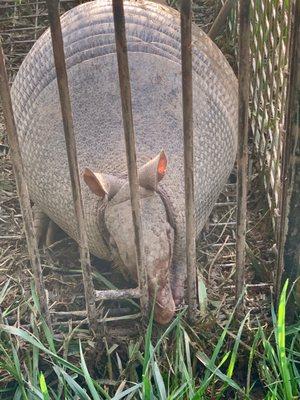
pixel 267 111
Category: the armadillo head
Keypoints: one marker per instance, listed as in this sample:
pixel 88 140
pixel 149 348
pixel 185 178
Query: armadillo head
pixel 158 235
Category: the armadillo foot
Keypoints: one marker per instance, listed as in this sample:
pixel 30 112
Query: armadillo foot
pixel 178 279
pixel 52 232
pixel 177 285
pixel 45 229
pixel 178 294
pixel 40 224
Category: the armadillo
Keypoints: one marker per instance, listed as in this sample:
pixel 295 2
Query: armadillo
pixel 154 51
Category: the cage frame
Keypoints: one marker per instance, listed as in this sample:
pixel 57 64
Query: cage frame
pixel 141 292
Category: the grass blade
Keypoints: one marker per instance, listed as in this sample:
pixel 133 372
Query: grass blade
pixel 127 392
pixel 87 376
pixel 74 386
pixel 159 381
pixel 280 330
pixel 43 387
pixel 28 337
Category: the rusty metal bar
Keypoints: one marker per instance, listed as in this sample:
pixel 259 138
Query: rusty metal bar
pixel 22 189
pixel 242 156
pixel 187 105
pixel 288 215
pixel 62 81
pixel 118 294
pixel 129 134
pixel 109 312
pixel 82 314
pixel 221 18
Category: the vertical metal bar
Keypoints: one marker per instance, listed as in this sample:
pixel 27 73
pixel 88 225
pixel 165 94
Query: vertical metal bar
pixel 221 18
pixel 292 123
pixel 62 81
pixel 22 188
pixel 242 156
pixel 125 89
pixel 12 43
pixel 187 104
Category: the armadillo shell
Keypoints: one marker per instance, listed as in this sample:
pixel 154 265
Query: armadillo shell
pixel 153 36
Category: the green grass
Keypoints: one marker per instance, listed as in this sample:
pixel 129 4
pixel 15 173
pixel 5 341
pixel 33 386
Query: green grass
pixel 34 364
pixel 280 366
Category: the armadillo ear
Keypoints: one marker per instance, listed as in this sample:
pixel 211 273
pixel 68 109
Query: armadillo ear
pixel 102 184
pixel 151 173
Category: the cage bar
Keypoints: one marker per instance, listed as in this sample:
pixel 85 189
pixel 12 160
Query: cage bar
pixel 187 104
pixel 62 80
pixel 289 182
pixel 129 134
pixel 22 188
pixel 242 156
pixel 118 294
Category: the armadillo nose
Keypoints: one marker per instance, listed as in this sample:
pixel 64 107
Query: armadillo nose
pixel 164 308
pixel 163 315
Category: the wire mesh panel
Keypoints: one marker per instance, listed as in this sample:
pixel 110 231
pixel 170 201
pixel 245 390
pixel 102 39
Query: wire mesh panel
pixel 269 44
pixel 270 24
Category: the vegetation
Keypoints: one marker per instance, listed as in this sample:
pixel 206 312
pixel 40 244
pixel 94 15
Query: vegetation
pixel 36 365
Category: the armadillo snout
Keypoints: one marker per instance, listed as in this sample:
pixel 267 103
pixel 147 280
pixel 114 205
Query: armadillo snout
pixel 164 308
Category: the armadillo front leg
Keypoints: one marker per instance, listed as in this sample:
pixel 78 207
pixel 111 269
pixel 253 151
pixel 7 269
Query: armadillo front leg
pixel 178 282
pixel 179 272
pixel 45 229
pixel 41 222
pixel 52 232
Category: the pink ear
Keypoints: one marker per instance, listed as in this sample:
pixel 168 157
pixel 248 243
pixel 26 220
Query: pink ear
pixel 161 166
pixel 95 183
pixel 151 173
pixel 102 184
